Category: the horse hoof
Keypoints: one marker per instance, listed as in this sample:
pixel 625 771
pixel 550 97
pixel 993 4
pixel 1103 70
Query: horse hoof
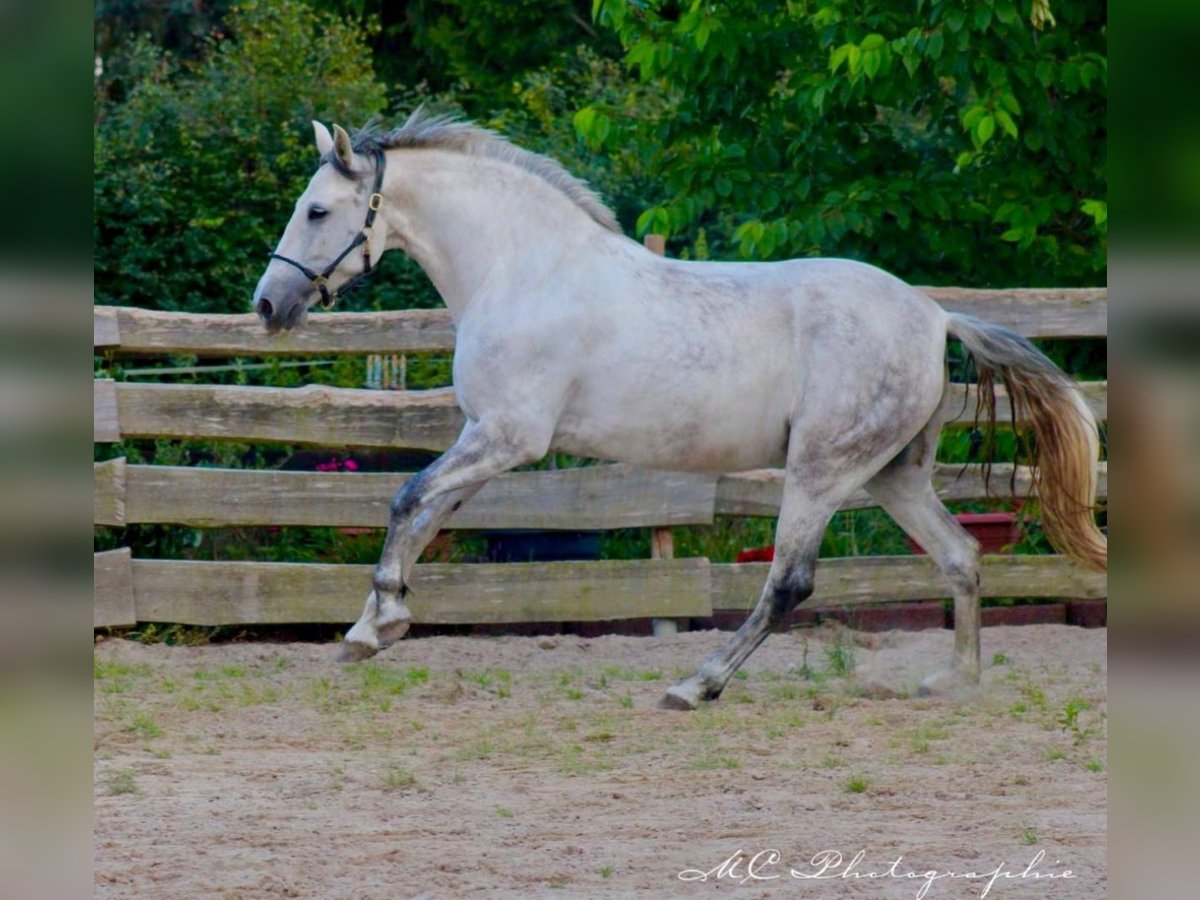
pixel 672 700
pixel 392 632
pixel 355 651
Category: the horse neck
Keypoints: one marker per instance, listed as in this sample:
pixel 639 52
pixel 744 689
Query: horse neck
pixel 472 222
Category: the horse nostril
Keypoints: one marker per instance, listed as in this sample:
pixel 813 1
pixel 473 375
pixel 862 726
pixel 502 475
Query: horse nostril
pixel 264 309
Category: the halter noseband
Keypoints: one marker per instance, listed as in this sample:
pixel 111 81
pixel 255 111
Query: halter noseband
pixel 320 279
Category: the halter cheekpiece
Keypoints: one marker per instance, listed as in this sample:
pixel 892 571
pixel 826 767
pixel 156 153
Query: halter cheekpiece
pixel 320 279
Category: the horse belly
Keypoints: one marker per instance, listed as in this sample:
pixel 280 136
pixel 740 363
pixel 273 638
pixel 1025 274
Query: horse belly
pixel 685 434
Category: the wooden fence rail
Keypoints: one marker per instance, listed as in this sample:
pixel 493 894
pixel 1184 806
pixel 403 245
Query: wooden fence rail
pixel 129 590
pixel 1032 312
pixel 595 497
pixel 342 417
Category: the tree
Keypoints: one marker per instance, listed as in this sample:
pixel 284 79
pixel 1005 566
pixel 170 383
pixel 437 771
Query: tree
pixel 197 166
pixel 950 143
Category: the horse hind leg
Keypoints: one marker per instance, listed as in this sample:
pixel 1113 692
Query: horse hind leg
pixel 803 518
pixel 904 489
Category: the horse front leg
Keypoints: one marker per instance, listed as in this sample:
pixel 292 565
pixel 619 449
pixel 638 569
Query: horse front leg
pixel 386 617
pixel 418 511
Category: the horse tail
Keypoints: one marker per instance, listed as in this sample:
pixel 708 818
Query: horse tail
pixel 1066 441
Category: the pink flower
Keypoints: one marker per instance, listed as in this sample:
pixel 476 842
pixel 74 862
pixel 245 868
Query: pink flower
pixel 350 465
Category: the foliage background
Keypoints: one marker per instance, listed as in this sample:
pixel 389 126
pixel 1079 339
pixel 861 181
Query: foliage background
pixel 948 142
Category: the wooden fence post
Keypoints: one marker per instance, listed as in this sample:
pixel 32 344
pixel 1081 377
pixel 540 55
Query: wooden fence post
pixel 662 540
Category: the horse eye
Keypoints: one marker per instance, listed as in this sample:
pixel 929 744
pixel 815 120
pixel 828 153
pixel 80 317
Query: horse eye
pixel 316 212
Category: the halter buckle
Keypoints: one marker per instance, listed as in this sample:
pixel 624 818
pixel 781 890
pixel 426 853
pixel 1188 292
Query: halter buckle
pixel 375 201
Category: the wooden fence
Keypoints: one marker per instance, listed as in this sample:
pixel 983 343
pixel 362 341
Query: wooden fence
pixel 603 496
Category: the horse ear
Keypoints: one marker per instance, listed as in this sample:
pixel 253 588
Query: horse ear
pixel 324 139
pixel 341 146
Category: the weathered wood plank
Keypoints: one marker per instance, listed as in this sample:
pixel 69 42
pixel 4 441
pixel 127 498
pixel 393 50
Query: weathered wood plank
pixel 108 492
pixel 106 428
pixel 962 401
pixel 112 589
pixel 760 492
pixel 1032 312
pixel 595 497
pixel 315 414
pixel 106 328
pixel 856 580
pixel 144 331
pixel 424 420
pixel 226 593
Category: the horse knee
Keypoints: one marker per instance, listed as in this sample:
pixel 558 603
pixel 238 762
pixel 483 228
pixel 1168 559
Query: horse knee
pixel 406 499
pixel 791 589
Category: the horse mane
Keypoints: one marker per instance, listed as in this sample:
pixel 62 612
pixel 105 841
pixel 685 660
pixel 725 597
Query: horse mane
pixel 445 132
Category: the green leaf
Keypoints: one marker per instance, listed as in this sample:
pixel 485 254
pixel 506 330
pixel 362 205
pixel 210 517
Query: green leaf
pixel 871 62
pixel 583 121
pixel 984 130
pixel 873 42
pixel 1010 103
pixel 1097 209
pixel 1006 122
pixel 972 116
pixel 645 220
pixel 933 47
pixel 854 58
pixel 838 56
pixel 600 129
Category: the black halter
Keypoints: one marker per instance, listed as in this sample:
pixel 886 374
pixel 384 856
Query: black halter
pixel 320 279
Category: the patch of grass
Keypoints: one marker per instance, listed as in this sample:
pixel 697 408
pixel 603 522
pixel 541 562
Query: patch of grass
pixel 857 784
pixel 576 762
pixel 999 659
pixel 256 695
pixel 143 725
pixel 1034 696
pixel 784 691
pixel 573 693
pixel 1093 765
pixel 650 675
pixel 626 701
pixel 839 657
pixel 478 750
pixel 712 761
pixel 399 779
pixel 1068 720
pixel 923 734
pixel 504 812
pixel 804 670
pixel 1029 836
pixel 606 871
pixel 1054 754
pixel 122 782
pixel 832 762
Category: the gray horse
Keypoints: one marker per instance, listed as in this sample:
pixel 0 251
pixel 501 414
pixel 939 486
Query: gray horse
pixel 572 337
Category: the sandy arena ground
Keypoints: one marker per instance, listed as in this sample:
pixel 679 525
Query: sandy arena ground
pixel 539 767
